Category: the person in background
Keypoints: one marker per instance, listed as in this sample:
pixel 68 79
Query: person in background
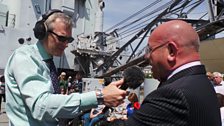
pixel 210 77
pixel 221 105
pixel 32 91
pixel 218 79
pixel 63 83
pixel 133 105
pixel 78 81
pixel 218 82
pixel 95 115
pixel 2 91
pixel 73 87
pixel 69 89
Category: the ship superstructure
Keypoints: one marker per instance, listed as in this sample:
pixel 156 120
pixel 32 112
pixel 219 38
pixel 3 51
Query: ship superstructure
pixel 17 19
pixel 96 52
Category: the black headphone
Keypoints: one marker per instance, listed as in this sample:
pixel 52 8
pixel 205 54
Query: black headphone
pixel 40 29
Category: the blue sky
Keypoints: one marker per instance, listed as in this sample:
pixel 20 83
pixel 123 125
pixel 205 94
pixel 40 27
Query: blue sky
pixel 117 10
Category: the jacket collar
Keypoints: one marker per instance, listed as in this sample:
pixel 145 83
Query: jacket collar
pixel 194 70
pixel 43 53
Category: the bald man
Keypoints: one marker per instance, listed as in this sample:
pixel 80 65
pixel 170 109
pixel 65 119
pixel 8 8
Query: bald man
pixel 185 96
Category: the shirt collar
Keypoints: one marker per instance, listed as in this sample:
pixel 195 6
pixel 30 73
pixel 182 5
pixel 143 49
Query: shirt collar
pixel 43 53
pixel 185 66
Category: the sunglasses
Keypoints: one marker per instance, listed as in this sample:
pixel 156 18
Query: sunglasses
pixel 62 38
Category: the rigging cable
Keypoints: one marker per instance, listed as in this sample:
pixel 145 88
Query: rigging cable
pixel 146 15
pixel 149 6
pixel 132 22
pixel 138 27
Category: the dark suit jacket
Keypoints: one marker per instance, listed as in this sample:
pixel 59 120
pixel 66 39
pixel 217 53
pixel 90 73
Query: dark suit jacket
pixel 186 99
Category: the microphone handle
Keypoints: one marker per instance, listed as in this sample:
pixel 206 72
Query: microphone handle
pixel 124 86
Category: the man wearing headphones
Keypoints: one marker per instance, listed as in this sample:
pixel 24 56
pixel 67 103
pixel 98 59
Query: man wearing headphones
pixel 31 85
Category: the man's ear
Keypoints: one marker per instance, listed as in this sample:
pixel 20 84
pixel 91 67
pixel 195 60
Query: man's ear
pixel 172 48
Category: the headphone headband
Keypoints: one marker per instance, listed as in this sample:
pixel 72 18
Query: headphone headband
pixel 49 13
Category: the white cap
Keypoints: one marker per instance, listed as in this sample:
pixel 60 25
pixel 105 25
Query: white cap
pixel 63 73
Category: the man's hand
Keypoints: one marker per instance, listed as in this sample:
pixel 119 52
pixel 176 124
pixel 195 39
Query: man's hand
pixel 113 96
pixel 93 115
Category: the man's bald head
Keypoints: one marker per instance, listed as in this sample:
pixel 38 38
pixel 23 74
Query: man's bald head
pixel 178 31
pixel 172 44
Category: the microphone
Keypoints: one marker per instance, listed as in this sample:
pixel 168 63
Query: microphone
pixel 133 77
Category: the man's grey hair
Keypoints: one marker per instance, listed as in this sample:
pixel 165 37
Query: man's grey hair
pixel 65 18
pixel 217 74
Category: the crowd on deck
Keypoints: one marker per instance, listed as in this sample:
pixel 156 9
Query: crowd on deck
pixel 99 115
pixel 216 79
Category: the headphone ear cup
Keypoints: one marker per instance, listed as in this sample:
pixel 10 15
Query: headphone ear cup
pixel 40 30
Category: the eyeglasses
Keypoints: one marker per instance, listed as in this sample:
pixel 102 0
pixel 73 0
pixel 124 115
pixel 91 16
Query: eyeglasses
pixel 62 38
pixel 149 50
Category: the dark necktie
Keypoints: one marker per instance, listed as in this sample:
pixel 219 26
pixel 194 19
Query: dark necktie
pixel 54 79
pixel 53 75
